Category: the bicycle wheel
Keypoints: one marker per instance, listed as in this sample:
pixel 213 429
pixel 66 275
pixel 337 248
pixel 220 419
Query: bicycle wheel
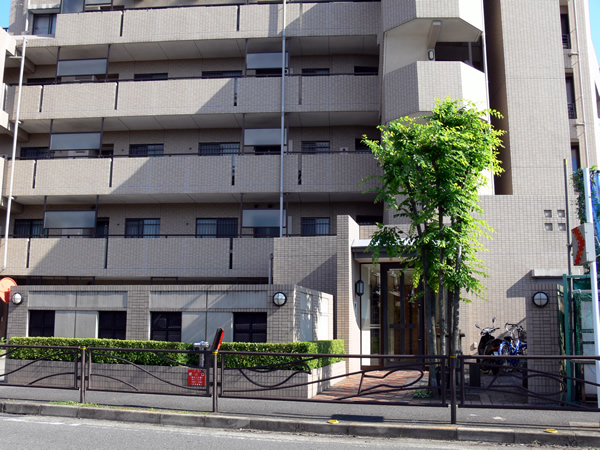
pixel 522 363
pixel 502 350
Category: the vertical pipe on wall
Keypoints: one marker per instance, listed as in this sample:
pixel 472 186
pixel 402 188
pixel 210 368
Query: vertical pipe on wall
pixel 14 153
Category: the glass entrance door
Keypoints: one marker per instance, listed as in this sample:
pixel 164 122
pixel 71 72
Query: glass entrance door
pixel 402 313
pixel 391 318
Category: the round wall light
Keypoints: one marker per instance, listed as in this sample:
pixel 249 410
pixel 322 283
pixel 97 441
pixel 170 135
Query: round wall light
pixel 540 299
pixel 279 298
pixel 17 298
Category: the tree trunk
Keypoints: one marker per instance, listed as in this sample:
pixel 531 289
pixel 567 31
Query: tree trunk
pixel 455 346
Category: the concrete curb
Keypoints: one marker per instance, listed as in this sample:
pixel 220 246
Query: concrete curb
pixel 210 420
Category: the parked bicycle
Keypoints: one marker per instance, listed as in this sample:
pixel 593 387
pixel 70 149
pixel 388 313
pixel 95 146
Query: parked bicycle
pixel 514 345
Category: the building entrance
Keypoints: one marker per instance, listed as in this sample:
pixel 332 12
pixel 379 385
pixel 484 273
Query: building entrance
pixel 392 313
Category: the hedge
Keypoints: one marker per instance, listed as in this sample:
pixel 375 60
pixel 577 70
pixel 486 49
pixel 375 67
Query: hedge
pixel 335 346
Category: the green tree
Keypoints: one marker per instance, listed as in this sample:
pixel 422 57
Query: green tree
pixel 433 167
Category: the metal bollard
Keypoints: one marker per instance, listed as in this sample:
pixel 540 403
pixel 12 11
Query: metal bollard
pixel 202 346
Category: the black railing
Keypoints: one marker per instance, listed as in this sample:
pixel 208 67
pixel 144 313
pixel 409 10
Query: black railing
pixel 103 79
pixel 521 382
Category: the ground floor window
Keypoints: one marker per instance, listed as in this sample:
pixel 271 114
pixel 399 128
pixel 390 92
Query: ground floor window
pixel 166 326
pixel 41 323
pixel 112 324
pixel 249 327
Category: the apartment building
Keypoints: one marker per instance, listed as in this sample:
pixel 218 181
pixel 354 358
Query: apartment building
pixel 175 166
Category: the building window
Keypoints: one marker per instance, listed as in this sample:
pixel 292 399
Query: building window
pixel 166 326
pixel 309 72
pixel 34 153
pixel 102 227
pixel 112 324
pixel 366 70
pixel 267 149
pixel 262 223
pixel 44 24
pixel 41 323
pixel 571 98
pixel 142 228
pixel 368 220
pixel 271 72
pixel 219 148
pixel 315 146
pixel 575 162
pixel 249 327
pixel 216 228
pixel 146 149
pixel 566 34
pixel 360 146
pixel 221 74
pixel 29 228
pixel 150 76
pixel 315 226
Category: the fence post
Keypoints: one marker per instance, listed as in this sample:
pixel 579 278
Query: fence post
pixel 214 379
pixel 453 389
pixel 82 387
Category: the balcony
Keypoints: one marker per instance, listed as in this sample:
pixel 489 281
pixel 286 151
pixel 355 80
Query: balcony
pixel 412 90
pixel 179 178
pixel 195 101
pixel 116 256
pixel 209 31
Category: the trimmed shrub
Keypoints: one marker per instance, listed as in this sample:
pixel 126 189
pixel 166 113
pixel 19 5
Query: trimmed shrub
pixel 335 346
pixel 107 357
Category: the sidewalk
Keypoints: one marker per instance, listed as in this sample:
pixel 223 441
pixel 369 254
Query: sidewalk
pixel 489 425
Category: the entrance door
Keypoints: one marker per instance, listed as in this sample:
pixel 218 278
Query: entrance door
pixel 402 313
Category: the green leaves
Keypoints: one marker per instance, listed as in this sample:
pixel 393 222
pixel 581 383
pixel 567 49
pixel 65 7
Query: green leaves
pixel 335 346
pixel 433 167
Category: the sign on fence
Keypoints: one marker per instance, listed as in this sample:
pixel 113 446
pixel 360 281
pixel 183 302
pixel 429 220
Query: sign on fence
pixel 196 377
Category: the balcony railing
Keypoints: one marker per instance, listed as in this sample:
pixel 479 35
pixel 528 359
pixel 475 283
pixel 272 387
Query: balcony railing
pixel 197 95
pixel 335 172
pixel 167 256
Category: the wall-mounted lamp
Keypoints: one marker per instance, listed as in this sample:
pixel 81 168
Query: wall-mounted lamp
pixel 279 299
pixel 540 299
pixel 17 298
pixel 359 288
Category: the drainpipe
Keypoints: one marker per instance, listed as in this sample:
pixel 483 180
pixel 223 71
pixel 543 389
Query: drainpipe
pixel 282 122
pixel 14 152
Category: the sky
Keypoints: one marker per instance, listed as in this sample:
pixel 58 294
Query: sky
pixel 594 19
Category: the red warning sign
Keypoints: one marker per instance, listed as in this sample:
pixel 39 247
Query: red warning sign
pixel 196 377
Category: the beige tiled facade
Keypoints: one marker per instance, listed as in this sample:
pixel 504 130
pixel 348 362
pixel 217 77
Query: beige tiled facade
pixel 178 76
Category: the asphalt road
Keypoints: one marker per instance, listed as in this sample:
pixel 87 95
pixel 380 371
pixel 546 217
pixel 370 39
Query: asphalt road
pixel 24 432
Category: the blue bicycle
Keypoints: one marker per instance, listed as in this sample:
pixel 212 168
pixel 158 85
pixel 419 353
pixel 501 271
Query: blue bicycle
pixel 513 344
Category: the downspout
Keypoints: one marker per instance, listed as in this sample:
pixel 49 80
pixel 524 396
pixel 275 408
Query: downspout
pixel 282 122
pixel 14 152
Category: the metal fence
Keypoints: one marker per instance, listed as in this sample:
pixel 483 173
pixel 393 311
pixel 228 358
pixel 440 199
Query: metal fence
pixel 509 382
